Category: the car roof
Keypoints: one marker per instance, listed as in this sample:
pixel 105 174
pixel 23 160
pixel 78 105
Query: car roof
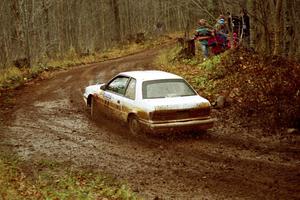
pixel 147 75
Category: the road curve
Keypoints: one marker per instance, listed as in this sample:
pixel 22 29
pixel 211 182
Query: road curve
pixel 229 162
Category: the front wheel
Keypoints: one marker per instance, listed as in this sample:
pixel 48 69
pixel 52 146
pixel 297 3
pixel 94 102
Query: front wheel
pixel 134 125
pixel 92 108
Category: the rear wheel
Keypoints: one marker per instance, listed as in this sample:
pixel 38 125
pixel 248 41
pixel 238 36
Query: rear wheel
pixel 134 125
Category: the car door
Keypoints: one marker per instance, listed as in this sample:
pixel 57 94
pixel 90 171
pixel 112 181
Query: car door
pixel 114 95
pixel 128 102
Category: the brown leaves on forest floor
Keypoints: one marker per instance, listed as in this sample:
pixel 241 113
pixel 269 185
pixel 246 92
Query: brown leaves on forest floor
pixel 269 88
pixel 263 91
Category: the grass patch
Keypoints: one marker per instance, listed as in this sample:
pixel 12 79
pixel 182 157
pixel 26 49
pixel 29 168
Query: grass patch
pixel 211 63
pixel 168 57
pixel 50 180
pixel 12 77
pixel 201 75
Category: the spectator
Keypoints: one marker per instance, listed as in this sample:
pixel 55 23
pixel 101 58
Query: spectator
pixel 203 33
pixel 221 32
pixel 220 26
pixel 229 22
pixel 245 20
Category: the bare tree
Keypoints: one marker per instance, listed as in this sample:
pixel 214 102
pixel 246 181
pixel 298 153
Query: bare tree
pixel 37 30
pixel 278 26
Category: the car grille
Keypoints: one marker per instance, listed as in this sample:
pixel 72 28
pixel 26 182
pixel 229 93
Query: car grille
pixel 162 115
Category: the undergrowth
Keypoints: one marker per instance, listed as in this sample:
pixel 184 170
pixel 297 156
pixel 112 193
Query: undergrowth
pixel 263 89
pixel 50 180
pixel 194 70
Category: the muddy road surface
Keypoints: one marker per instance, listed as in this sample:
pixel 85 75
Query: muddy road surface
pixel 231 161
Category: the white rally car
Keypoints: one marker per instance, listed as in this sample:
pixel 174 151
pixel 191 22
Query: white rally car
pixel 152 101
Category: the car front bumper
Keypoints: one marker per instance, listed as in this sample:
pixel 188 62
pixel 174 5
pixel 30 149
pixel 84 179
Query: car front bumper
pixel 85 100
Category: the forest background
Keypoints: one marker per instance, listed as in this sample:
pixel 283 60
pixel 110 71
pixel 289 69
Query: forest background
pixel 39 30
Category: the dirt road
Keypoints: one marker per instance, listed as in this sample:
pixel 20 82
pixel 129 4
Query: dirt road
pixel 50 121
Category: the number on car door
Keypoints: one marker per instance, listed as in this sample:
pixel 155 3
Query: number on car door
pixel 114 93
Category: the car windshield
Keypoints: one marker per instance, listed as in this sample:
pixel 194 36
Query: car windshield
pixel 166 88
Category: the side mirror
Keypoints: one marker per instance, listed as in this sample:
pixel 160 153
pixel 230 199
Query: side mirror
pixel 103 87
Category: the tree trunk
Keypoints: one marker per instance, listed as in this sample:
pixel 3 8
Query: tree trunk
pixel 188 47
pixel 46 27
pixel 116 13
pixel 290 28
pixel 297 29
pixel 18 29
pixel 278 28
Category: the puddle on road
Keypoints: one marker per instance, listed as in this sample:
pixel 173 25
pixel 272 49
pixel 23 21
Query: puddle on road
pixel 57 129
pixel 50 128
pixel 52 104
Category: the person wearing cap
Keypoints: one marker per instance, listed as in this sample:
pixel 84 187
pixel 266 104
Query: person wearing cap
pixel 220 26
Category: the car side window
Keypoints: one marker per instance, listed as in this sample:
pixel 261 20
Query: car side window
pixel 130 92
pixel 118 85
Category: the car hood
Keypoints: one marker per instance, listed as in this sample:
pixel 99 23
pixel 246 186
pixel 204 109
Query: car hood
pixel 92 89
pixel 174 103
